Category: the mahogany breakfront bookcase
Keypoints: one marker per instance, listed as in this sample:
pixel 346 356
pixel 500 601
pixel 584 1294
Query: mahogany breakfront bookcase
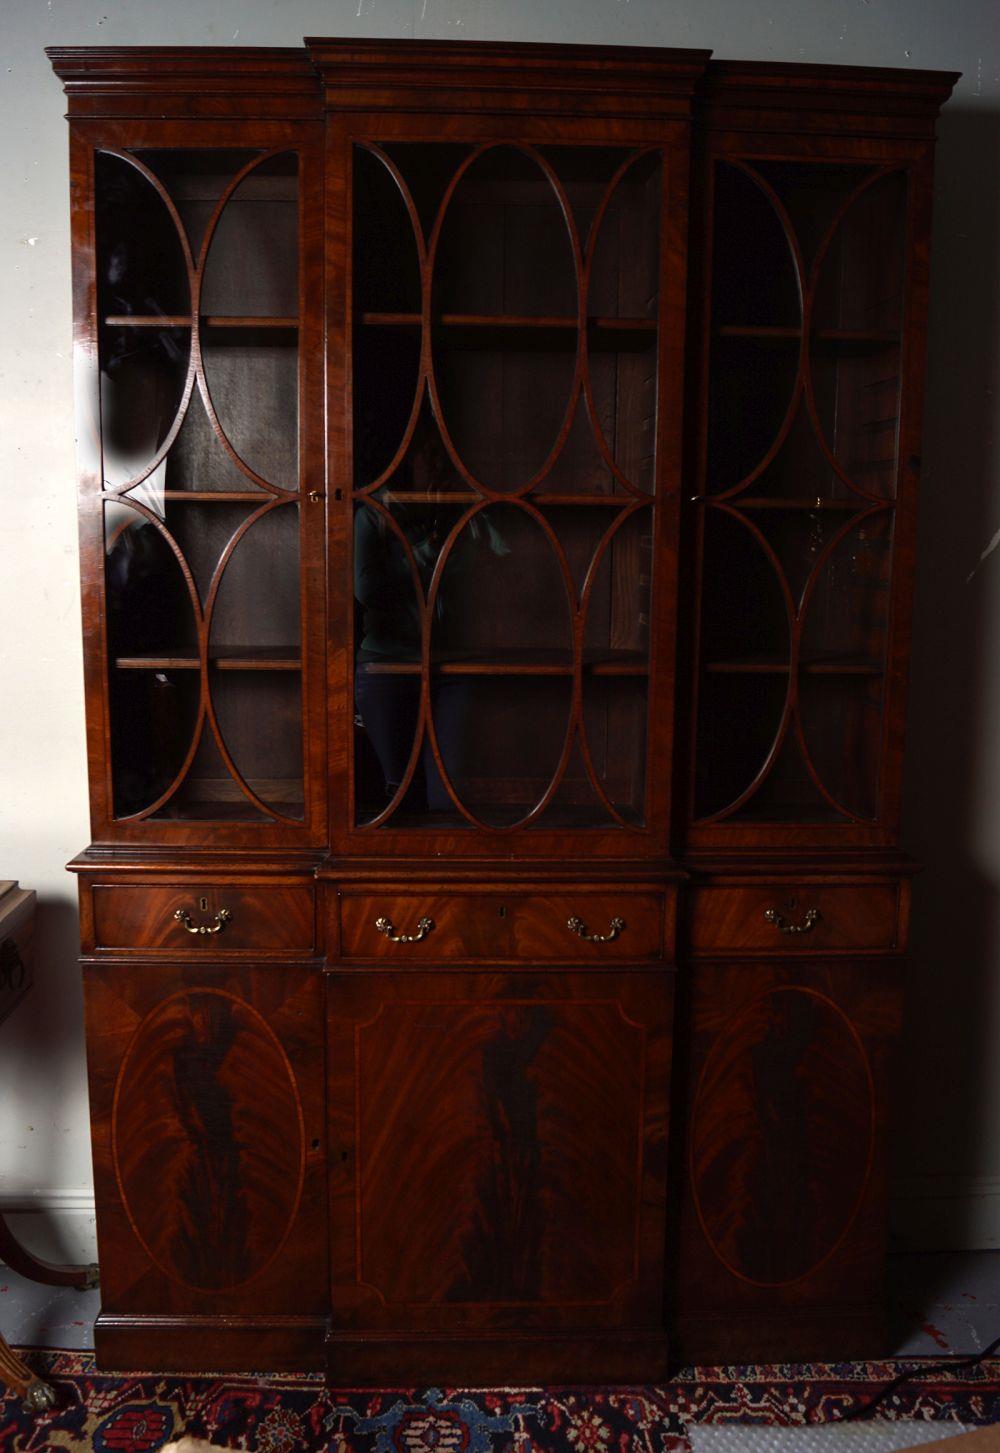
pixel 498 471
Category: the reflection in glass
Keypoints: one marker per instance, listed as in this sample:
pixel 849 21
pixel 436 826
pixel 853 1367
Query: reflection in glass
pixel 152 649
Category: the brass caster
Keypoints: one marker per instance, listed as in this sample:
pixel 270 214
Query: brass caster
pixel 92 1278
pixel 39 1398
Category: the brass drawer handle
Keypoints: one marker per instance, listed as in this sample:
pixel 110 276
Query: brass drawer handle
pixel 577 926
pixel 785 925
pixel 221 919
pixel 384 925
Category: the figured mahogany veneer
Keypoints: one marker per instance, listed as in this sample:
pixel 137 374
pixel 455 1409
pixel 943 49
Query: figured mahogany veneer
pixel 505 926
pixel 797 917
pixel 497 468
pixel 238 918
pixel 788 1071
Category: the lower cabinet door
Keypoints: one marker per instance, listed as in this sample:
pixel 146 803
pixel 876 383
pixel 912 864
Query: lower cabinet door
pixel 784 1083
pixel 498 1149
pixel 206 1093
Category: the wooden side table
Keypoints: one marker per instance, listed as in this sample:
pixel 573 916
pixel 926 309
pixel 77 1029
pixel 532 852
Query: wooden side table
pixel 17 923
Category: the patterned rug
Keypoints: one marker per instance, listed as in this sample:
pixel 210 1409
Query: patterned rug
pixel 139 1412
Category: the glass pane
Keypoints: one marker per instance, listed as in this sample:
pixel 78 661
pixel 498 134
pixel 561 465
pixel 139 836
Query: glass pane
pixel 504 400
pixel 505 304
pixel 504 248
pixel 209 792
pixel 857 390
pixel 252 264
pixel 754 281
pixel 752 379
pixel 195 180
pixel 253 378
pixel 502 595
pixel 500 739
pixel 198 462
pixel 622 301
pixel 154 683
pixel 256 611
pixel 140 258
pixel 744 620
pixel 842 724
pixel 788 793
pixel 141 280
pixel 812 194
pixel 386 371
pixel 585 173
pixel 739 713
pixel 259 712
pixel 615 708
pixel 247 268
pixel 847 616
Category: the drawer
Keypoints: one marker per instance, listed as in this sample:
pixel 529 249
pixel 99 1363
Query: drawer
pixel 502 926
pixel 246 918
pixel 794 917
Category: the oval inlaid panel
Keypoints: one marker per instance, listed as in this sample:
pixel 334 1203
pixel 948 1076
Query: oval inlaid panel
pixel 207 1139
pixel 782 1136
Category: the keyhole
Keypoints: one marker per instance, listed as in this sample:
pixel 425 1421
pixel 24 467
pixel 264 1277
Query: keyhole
pixel 793 901
pixel 203 904
pixel 501 912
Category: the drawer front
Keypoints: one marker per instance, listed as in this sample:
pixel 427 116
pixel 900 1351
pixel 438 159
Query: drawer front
pixel 205 918
pixel 795 918
pixel 607 926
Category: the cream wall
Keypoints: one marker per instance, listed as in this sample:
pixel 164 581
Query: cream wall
pixel 948 1185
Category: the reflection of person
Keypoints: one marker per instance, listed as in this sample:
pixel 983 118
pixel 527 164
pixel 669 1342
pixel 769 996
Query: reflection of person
pixel 388 700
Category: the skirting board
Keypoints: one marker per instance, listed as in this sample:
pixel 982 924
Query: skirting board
pixel 946 1213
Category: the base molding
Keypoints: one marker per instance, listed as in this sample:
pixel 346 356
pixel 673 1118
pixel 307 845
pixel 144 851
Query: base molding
pixel 946 1213
pixel 845 1335
pixel 362 1360
pixel 129 1342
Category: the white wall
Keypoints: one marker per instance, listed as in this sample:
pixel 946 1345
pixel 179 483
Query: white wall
pixel 949 1115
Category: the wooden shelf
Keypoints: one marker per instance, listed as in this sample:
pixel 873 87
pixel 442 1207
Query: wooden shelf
pixel 226 658
pixel 208 320
pixel 868 337
pixel 519 663
pixel 217 496
pixel 765 502
pixel 603 331
pixel 779 666
pixel 799 503
pixel 469 496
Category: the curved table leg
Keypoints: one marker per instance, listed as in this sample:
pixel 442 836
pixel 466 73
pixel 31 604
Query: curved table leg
pixel 26 1264
pixel 36 1395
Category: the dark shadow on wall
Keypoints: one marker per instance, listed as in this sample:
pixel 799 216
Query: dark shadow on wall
pixel 41 1044
pixel 949 1060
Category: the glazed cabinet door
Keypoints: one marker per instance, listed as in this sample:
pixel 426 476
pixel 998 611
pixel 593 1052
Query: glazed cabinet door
pixel 498 1149
pixel 199 294
pixel 514 371
pixel 785 1085
pixel 206 1093
pixel 812 337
